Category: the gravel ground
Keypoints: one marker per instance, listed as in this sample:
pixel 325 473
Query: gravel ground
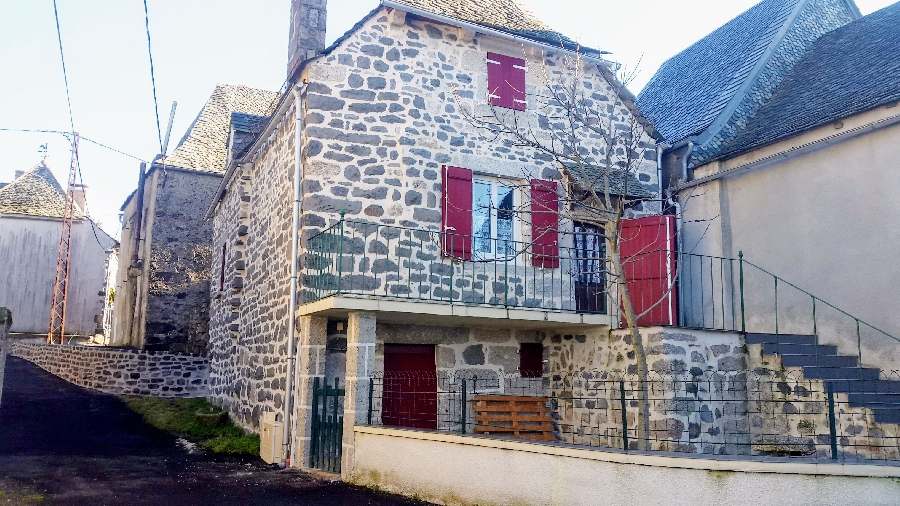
pixel 62 444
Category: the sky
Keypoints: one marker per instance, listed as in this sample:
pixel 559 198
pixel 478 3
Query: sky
pixel 198 43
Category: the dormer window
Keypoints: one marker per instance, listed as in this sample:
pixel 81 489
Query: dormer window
pixel 506 81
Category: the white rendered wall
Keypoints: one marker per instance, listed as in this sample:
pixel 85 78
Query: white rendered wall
pixel 458 470
pixel 29 248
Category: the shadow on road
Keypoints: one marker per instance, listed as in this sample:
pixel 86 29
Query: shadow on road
pixel 62 444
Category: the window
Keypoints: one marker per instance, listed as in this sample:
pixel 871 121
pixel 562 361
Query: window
pixel 531 360
pixel 479 218
pixel 493 225
pixel 222 269
pixel 506 81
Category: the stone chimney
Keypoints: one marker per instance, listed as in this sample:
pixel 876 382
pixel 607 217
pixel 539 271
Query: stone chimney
pixel 19 173
pixel 79 195
pixel 307 38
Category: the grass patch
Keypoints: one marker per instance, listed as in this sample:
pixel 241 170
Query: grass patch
pixel 197 421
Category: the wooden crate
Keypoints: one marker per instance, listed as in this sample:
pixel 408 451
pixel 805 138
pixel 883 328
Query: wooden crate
pixel 515 416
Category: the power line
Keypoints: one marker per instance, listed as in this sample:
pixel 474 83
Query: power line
pixel 152 77
pixel 67 134
pixel 63 59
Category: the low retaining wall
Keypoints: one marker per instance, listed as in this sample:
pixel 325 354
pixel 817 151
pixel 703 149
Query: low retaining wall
pixel 466 470
pixel 121 371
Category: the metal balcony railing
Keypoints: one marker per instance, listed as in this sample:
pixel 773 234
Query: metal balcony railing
pixel 361 258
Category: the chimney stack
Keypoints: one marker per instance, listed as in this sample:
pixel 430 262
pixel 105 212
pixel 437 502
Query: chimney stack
pixel 307 37
pixel 79 195
pixel 19 173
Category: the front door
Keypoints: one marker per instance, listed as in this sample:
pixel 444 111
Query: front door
pixel 409 398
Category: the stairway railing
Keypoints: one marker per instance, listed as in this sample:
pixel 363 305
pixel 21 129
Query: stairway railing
pixel 720 293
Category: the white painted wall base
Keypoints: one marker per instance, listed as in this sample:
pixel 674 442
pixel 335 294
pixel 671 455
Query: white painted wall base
pixel 463 470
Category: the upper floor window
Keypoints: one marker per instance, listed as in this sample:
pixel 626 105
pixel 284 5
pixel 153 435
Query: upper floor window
pixel 506 81
pixel 480 218
pixel 494 225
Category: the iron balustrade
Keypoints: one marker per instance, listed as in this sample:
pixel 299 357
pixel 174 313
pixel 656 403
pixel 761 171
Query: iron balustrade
pixel 369 259
pixel 732 414
pixel 717 293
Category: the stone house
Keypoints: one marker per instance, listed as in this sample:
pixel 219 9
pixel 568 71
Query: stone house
pixel 369 161
pixel 31 211
pixel 367 233
pixel 786 148
pixel 162 283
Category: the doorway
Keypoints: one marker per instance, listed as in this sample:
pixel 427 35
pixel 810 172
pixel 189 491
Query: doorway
pixel 409 397
pixel 589 271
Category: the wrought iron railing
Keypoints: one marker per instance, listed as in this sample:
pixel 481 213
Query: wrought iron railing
pixel 734 294
pixel 361 258
pixel 732 414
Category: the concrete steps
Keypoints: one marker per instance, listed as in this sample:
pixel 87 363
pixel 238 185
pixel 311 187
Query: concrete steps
pixel 863 385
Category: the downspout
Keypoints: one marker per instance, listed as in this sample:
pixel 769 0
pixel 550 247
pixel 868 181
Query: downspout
pixel 673 200
pixel 135 269
pixel 295 250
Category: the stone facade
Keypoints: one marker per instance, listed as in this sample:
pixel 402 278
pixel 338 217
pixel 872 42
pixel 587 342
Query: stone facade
pixel 180 260
pixel 249 311
pixel 170 284
pixel 381 115
pixel 121 371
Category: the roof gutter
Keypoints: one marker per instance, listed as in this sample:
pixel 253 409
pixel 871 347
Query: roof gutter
pixel 283 107
pixel 485 30
pixel 797 150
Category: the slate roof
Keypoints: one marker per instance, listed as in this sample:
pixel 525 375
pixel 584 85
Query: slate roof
pixel 504 15
pixel 593 177
pixel 35 193
pixel 247 128
pixel 691 89
pixel 847 71
pixel 205 144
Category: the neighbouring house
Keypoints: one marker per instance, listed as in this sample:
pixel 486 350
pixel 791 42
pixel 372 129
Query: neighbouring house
pixel 162 284
pixel 31 211
pixel 785 147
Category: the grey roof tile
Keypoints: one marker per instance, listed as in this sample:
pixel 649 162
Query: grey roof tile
pixel 205 145
pixel 847 71
pixel 691 89
pixel 504 15
pixel 35 193
pixel 620 182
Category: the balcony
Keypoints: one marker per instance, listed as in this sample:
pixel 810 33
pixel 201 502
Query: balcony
pixel 455 275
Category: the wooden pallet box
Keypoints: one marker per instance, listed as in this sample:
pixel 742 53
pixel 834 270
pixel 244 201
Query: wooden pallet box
pixel 514 416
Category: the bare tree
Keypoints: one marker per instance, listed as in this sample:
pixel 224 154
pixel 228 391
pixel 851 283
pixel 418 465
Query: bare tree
pixel 599 143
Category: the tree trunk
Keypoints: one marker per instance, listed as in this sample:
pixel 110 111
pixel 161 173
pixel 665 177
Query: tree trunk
pixel 643 420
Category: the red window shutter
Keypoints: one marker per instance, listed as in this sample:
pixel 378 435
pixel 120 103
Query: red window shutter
pixel 544 224
pixel 456 218
pixel 647 250
pixel 506 81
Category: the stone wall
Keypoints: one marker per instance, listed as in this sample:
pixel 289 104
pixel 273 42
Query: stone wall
pixel 177 317
pixel 249 314
pixel 121 371
pixel 384 113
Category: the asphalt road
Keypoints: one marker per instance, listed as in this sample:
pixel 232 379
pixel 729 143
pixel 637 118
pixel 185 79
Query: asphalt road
pixel 62 444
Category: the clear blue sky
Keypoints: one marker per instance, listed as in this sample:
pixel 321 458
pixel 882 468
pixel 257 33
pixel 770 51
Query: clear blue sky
pixel 198 43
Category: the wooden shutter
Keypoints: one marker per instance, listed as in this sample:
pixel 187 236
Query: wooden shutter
pixel 647 250
pixel 456 218
pixel 506 81
pixel 544 224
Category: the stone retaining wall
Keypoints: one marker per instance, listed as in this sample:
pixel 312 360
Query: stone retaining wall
pixel 121 371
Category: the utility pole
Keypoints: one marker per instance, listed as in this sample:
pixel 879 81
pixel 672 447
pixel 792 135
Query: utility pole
pixel 56 332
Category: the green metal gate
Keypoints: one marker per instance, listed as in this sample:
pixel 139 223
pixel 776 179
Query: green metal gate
pixel 327 426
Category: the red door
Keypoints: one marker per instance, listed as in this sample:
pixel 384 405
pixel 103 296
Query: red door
pixel 409 398
pixel 647 249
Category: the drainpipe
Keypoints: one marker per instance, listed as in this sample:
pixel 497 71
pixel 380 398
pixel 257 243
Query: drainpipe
pixel 295 250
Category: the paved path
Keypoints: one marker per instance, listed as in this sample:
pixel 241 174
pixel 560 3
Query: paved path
pixel 61 444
